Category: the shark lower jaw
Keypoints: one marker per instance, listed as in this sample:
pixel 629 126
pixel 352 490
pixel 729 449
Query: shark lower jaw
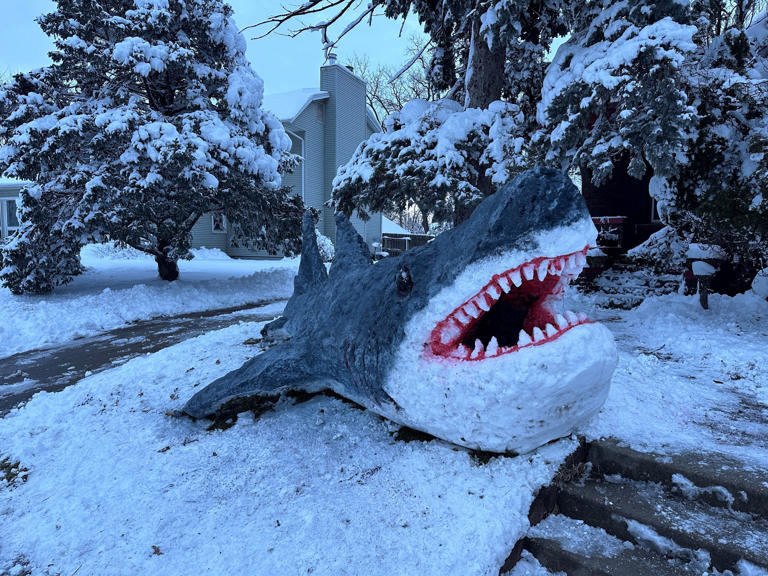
pixel 515 310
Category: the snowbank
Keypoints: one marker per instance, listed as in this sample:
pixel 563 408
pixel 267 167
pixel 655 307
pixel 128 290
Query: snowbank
pixel 121 285
pixel 117 484
pixel 689 379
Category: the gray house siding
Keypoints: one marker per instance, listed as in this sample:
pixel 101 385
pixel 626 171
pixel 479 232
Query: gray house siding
pixel 325 130
pixel 310 125
pixel 204 236
pixel 345 126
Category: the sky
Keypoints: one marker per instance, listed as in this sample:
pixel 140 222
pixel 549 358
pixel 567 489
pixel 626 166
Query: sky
pixel 284 63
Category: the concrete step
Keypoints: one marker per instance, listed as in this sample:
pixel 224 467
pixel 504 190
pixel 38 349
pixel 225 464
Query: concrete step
pixel 562 544
pixel 711 478
pixel 647 515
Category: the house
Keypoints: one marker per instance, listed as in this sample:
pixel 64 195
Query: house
pixel 395 239
pixel 326 125
pixel 9 196
pixel 622 208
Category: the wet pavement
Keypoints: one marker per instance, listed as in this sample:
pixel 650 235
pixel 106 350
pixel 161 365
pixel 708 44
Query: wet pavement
pixel 52 369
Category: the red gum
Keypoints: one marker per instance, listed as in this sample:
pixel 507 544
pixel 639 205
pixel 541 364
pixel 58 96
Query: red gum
pixel 434 341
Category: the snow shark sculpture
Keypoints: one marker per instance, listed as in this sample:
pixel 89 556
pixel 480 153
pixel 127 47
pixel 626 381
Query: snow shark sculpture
pixel 464 338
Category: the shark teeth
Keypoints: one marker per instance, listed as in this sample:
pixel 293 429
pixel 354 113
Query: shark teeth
pixel 542 268
pixel 482 303
pixel 462 317
pixel 550 330
pixel 528 271
pixel 471 310
pixel 493 347
pixel 457 337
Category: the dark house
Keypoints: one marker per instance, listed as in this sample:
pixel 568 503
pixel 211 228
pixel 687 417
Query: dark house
pixel 623 210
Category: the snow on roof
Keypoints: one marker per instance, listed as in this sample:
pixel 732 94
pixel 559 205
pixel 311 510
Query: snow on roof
pixel 10 182
pixel 288 105
pixel 389 227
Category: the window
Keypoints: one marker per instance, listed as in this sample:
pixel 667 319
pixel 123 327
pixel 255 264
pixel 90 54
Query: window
pixel 218 223
pixel 9 220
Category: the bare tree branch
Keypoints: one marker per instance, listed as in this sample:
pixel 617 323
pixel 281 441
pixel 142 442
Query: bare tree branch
pixel 334 9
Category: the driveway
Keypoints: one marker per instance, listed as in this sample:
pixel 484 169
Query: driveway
pixel 51 369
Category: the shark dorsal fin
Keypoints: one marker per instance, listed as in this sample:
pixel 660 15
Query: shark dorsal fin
pixel 351 250
pixel 311 268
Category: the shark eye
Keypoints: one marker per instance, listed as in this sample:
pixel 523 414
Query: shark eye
pixel 403 281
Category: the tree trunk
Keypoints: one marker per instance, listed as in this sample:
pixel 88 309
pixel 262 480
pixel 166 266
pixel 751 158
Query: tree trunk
pixel 167 269
pixel 484 78
pixel 425 221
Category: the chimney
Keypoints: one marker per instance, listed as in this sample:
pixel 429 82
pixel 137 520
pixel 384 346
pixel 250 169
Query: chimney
pixel 331 58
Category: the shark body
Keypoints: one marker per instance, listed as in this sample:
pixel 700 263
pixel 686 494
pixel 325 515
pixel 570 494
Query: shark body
pixel 464 338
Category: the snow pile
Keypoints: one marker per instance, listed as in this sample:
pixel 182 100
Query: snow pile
pixel 529 566
pixel 580 538
pixel 704 251
pixel 688 380
pixel 325 246
pixel 664 248
pixel 693 492
pixel 702 268
pixel 319 487
pixel 111 251
pixel 760 284
pixel 121 286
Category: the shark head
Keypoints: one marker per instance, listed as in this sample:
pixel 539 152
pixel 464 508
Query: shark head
pixel 491 358
pixel 466 338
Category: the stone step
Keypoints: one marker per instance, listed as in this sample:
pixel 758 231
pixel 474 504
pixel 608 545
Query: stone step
pixel 562 544
pixel 712 478
pixel 645 514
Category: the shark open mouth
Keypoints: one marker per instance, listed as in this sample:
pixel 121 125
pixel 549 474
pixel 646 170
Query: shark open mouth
pixel 516 309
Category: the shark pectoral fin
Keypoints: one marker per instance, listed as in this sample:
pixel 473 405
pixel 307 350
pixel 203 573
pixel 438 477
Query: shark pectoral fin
pixel 256 385
pixel 351 250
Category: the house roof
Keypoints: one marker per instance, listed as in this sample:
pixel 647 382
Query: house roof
pixel 389 227
pixel 371 118
pixel 7 183
pixel 288 105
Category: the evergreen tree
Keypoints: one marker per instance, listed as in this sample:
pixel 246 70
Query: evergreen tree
pixel 149 116
pixel 614 90
pixel 679 90
pixel 720 194
pixel 435 155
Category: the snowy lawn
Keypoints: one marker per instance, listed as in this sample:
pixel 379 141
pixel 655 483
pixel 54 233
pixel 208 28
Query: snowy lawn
pixel 123 286
pixel 688 379
pixel 117 485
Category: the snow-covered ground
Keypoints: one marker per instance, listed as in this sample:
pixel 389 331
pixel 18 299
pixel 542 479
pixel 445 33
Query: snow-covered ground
pixel 688 379
pixel 116 483
pixel 121 286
